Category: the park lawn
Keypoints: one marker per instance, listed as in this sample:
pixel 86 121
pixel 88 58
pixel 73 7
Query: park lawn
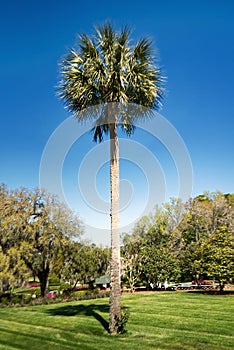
pixel 158 320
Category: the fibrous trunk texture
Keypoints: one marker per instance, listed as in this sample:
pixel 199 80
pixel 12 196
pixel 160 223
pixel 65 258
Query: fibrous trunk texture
pixel 115 292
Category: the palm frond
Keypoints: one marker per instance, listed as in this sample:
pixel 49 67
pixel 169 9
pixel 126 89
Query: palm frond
pixel 105 68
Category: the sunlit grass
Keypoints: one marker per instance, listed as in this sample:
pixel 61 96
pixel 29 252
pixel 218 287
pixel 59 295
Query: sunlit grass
pixel 163 321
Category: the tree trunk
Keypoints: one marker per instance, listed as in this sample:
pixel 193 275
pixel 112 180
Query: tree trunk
pixel 44 282
pixel 115 291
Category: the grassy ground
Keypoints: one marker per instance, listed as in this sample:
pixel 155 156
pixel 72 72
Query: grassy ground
pixel 172 320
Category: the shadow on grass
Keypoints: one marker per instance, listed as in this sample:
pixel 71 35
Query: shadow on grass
pixel 87 310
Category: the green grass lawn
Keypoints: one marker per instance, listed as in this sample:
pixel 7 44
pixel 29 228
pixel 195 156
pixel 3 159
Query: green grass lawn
pixel 158 320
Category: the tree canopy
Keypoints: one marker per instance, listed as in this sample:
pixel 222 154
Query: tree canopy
pixel 40 237
pixel 34 228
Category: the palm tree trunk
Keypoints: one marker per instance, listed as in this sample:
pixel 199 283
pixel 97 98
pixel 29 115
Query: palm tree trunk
pixel 115 292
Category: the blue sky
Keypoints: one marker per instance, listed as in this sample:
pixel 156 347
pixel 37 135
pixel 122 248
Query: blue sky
pixel 194 43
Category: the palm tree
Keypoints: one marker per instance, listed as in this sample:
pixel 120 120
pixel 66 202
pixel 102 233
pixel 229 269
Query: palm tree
pixel 106 71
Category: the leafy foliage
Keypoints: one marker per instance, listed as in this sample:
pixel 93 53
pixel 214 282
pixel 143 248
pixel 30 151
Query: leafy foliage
pixel 106 69
pixel 35 240
pixel 182 242
pixel 82 263
pixel 34 227
pixel 217 257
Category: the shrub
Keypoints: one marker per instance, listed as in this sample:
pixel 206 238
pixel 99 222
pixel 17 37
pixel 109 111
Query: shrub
pixel 51 295
pixel 54 281
pixel 5 296
pixel 4 301
pixel 122 322
pixel 27 298
pixel 96 291
pixel 16 299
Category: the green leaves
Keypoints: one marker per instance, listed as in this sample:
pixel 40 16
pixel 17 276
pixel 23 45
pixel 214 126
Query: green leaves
pixel 105 68
pixel 217 254
pixel 34 228
pixel 193 240
pixel 159 264
pixel 82 263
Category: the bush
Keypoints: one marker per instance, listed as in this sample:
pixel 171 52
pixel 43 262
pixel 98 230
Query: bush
pixel 16 299
pixel 23 299
pixel 96 291
pixel 54 281
pixel 27 298
pixel 5 296
pixel 123 320
pixel 8 299
pixel 51 295
pixel 4 301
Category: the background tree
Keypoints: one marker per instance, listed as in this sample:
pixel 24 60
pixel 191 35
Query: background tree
pixel 5 271
pixel 14 215
pixel 171 241
pixel 105 70
pixel 131 262
pixel 159 264
pixel 34 227
pixel 83 263
pixel 51 225
pixel 216 259
pixel 40 237
pixel 205 215
pixel 149 253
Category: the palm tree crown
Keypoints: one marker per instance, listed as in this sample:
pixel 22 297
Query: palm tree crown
pixel 105 68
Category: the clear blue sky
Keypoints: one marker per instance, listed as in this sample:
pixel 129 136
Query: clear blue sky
pixel 195 46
